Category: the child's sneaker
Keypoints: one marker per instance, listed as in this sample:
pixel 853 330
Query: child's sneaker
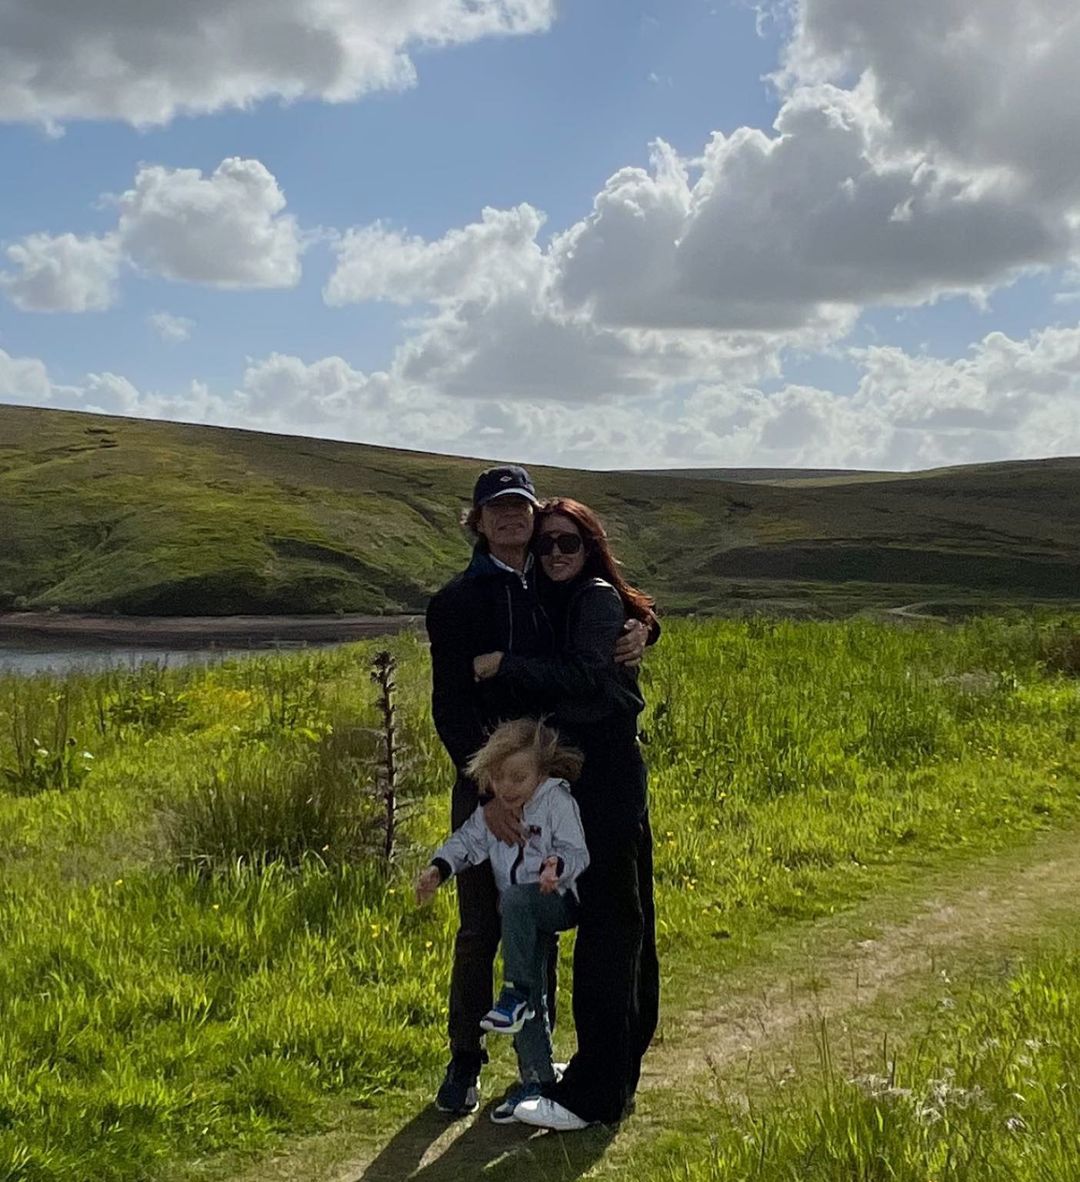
pixel 503 1112
pixel 508 1014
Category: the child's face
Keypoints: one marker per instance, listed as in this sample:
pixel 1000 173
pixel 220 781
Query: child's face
pixel 516 779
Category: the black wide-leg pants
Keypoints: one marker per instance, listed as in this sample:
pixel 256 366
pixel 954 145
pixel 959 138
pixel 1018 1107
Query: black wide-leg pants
pixel 616 972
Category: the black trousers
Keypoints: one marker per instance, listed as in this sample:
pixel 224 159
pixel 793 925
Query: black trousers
pixel 477 942
pixel 616 972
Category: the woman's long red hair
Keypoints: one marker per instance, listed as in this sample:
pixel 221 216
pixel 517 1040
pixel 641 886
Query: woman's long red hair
pixel 599 560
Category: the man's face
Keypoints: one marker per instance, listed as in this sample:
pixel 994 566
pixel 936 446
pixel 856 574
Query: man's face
pixel 507 521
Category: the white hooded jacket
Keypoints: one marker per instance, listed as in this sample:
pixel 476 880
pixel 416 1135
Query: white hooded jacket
pixel 552 825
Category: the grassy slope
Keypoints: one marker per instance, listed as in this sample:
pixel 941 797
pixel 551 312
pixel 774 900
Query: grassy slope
pixel 149 1015
pixel 110 514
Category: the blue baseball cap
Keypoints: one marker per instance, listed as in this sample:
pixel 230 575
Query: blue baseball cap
pixel 511 480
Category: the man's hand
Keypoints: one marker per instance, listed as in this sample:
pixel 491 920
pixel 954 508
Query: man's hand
pixel 504 823
pixel 486 665
pixel 549 876
pixel 427 883
pixel 630 647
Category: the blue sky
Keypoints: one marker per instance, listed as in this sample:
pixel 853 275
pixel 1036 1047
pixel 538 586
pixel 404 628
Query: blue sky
pixel 842 270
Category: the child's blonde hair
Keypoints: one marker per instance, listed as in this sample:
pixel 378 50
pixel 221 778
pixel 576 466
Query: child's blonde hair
pixel 553 758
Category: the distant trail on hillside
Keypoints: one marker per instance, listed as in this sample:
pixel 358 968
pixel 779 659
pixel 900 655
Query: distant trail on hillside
pixel 910 611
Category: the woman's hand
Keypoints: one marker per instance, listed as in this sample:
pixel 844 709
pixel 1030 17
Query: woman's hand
pixel 630 647
pixel 504 823
pixel 427 883
pixel 486 665
pixel 549 876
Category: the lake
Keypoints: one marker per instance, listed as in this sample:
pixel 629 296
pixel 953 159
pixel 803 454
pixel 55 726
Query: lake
pixel 28 659
pixel 37 642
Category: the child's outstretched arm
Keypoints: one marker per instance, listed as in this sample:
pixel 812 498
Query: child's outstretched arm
pixel 427 883
pixel 466 846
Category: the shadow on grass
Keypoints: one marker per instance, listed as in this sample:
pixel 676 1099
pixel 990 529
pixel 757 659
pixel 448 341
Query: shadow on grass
pixel 499 1153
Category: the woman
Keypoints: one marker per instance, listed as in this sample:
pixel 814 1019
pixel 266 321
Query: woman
pixel 595 705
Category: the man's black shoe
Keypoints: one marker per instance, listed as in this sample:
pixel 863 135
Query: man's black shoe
pixel 459 1092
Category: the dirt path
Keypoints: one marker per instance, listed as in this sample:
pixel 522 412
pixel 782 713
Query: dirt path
pixel 767 1012
pixel 953 927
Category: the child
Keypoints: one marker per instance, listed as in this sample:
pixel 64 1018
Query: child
pixel 525 766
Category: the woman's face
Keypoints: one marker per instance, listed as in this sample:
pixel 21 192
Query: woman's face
pixel 557 536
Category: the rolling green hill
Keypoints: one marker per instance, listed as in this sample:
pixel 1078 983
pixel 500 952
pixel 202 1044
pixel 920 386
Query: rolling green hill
pixel 108 514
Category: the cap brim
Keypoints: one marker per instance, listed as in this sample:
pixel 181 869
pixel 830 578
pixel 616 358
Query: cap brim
pixel 510 492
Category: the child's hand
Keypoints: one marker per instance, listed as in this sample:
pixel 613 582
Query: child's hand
pixel 427 883
pixel 549 876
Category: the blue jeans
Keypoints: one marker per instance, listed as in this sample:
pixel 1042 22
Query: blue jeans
pixel 529 923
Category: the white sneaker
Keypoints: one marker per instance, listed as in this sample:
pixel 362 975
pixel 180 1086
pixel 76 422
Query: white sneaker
pixel 546 1114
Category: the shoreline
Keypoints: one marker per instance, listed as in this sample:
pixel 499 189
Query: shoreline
pixel 195 631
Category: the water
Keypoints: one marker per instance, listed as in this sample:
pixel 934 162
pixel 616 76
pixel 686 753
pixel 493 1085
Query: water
pixel 58 659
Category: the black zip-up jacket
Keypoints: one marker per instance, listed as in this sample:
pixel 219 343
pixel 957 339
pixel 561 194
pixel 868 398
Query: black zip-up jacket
pixel 484 609
pixel 580 681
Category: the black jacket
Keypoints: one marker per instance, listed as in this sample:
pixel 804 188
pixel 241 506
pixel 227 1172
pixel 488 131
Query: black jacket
pixel 482 610
pixel 580 682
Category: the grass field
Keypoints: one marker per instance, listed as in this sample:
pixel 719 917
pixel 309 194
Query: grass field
pixel 202 952
pixel 150 518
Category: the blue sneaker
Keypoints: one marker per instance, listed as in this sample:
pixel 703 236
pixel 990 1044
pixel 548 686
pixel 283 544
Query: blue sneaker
pixel 508 1014
pixel 503 1112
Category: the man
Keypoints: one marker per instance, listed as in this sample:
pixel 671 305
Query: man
pixel 490 607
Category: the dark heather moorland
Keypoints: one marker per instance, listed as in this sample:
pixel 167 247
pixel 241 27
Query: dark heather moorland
pixel 111 515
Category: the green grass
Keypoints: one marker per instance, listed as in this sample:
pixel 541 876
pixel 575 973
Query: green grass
pixel 122 515
pixel 985 1090
pixel 160 1007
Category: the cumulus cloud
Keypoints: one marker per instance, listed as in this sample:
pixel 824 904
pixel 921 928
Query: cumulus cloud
pixel 172 329
pixel 1006 398
pixel 24 380
pixel 227 229
pixel 495 256
pixel 147 62
pixel 990 84
pixel 794 230
pixel 64 273
pixel 710 269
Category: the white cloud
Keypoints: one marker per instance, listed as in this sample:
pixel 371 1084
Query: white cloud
pixel 172 329
pixel 798 230
pixel 990 84
pixel 63 273
pixel 24 380
pixel 497 255
pixel 1006 398
pixel 227 229
pixel 707 270
pixel 146 62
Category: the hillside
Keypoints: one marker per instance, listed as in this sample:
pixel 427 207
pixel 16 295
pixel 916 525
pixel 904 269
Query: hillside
pixel 107 514
pixel 767 475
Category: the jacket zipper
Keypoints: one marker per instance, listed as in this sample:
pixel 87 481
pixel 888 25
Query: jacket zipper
pixel 517 862
pixel 510 620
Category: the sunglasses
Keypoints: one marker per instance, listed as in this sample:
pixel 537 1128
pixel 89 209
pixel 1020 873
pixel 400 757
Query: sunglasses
pixel 564 543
